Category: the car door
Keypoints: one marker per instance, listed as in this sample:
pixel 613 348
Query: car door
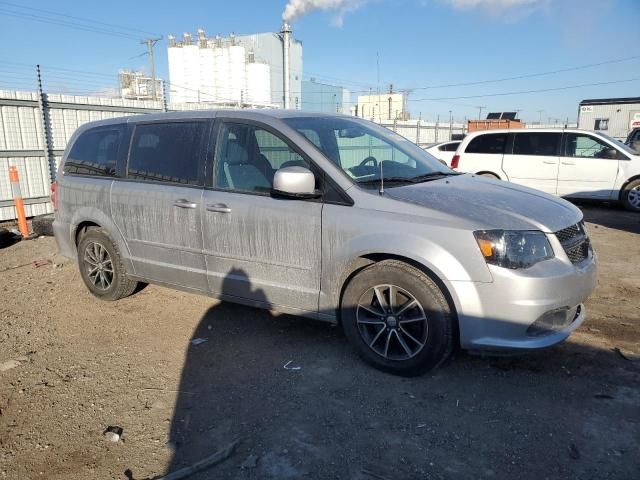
pixel 259 248
pixel 158 206
pixel 533 160
pixel 588 167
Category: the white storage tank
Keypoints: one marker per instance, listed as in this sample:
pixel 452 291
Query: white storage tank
pixel 207 75
pixel 258 84
pixel 221 61
pixel 237 72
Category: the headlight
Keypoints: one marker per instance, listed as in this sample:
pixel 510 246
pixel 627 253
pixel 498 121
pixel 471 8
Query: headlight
pixel 513 249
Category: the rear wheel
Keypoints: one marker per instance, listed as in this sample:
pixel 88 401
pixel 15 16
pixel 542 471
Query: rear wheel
pixel 101 266
pixel 397 318
pixel 631 196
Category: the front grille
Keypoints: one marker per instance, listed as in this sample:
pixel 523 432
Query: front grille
pixel 575 242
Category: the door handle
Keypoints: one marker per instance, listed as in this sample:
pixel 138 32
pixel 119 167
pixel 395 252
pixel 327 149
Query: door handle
pixel 568 163
pixel 219 208
pixel 184 203
pixel 549 162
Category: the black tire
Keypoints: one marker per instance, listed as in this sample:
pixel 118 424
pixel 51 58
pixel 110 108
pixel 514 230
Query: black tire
pixel 7 238
pixel 120 285
pixel 43 225
pixel 489 175
pixel 632 189
pixel 437 331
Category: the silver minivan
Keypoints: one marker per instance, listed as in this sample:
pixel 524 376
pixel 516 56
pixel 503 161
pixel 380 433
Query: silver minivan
pixel 324 216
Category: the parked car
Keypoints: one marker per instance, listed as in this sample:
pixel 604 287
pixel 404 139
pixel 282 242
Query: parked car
pixel 444 151
pixel 569 163
pixel 633 140
pixel 325 216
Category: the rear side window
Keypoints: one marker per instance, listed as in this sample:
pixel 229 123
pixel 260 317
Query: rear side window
pixel 94 153
pixel 167 152
pixel 537 143
pixel 449 147
pixel 490 143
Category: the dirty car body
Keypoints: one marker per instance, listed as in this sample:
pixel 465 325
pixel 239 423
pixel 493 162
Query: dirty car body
pixel 236 218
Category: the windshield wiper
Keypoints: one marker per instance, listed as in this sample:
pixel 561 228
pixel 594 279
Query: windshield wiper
pixel 431 176
pixel 386 180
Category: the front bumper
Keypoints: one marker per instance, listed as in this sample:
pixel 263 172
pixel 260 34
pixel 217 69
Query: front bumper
pixel 497 316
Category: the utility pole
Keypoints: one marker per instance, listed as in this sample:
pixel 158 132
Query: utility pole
pixel 480 112
pixel 540 119
pixel 450 124
pixel 150 43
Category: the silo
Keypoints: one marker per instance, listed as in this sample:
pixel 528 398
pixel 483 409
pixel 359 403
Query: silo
pixel 191 58
pixel 258 84
pixel 207 75
pixel 176 74
pixel 221 62
pixel 237 72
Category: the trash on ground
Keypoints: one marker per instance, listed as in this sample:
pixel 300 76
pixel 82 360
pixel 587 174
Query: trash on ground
pixel 603 396
pixel 113 433
pixel 198 341
pixel 40 262
pixel 217 457
pixel 8 365
pixel 573 452
pixel 250 462
pixel 631 357
pixel 287 367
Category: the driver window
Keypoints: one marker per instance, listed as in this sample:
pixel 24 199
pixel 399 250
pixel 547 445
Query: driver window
pixel 586 146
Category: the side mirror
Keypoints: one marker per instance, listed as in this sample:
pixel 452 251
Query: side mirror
pixel 295 182
pixel 611 153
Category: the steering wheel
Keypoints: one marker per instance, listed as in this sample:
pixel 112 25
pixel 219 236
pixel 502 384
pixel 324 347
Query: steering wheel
pixel 369 160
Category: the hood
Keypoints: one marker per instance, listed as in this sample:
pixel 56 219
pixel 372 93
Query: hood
pixel 490 204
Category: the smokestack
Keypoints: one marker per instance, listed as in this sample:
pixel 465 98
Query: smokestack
pixel 286 43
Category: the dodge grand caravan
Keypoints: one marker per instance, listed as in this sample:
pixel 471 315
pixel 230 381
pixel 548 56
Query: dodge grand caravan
pixel 325 216
pixel 569 163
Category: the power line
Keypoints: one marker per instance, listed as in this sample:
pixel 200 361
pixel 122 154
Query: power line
pixel 82 19
pixel 522 92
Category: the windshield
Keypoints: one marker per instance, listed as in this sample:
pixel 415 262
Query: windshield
pixel 363 150
pixel 621 145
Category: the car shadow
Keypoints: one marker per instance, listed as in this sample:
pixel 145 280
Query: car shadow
pixel 610 215
pixel 303 405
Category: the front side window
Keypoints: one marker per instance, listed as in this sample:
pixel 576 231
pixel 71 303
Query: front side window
pixel 586 146
pixel 489 143
pixel 364 150
pixel 248 156
pixel 167 152
pixel 537 143
pixel 94 153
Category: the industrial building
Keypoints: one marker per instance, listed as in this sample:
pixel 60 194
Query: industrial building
pixel 323 97
pixel 614 116
pixel 382 106
pixel 138 86
pixel 244 70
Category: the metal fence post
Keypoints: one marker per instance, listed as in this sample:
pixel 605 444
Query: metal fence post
pixel 47 139
pixel 164 96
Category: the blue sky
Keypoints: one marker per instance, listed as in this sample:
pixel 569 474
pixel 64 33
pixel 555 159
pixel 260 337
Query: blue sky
pixel 420 43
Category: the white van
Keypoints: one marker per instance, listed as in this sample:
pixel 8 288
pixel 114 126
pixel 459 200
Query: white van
pixel 569 163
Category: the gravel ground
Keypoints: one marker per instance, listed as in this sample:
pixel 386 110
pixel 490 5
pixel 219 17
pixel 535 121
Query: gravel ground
pixel 70 366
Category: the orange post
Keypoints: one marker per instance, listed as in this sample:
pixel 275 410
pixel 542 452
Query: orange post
pixel 19 203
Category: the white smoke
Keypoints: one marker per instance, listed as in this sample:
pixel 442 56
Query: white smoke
pixel 296 9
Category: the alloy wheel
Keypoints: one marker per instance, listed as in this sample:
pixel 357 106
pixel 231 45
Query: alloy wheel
pixel 392 322
pixel 98 265
pixel 634 197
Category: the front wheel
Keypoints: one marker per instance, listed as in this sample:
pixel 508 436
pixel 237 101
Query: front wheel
pixel 631 196
pixel 397 318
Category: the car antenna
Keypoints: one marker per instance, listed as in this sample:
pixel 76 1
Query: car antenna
pixel 381 191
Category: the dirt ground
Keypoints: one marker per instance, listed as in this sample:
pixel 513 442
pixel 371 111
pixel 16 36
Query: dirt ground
pixel 71 365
